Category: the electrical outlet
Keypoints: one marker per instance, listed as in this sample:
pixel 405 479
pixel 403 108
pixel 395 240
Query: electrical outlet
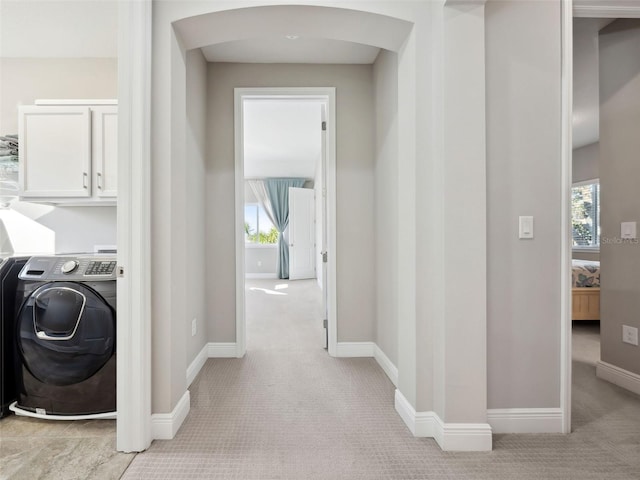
pixel 630 335
pixel 194 327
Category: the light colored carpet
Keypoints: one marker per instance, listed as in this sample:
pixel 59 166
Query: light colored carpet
pixel 289 411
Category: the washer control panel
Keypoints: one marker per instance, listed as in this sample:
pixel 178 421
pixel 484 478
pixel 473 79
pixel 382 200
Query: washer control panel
pixel 106 267
pixel 70 268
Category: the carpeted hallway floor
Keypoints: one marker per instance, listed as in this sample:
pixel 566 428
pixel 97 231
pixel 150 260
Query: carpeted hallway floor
pixel 289 411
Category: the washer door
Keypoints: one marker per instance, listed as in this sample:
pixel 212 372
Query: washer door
pixel 66 333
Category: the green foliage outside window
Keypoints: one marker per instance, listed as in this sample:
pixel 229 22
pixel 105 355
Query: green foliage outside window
pixel 585 213
pixel 269 237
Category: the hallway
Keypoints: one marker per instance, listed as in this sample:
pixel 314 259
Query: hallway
pixel 289 411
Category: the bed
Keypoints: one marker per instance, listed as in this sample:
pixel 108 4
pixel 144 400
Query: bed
pixel 585 291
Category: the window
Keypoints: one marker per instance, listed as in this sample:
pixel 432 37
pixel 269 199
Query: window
pixel 258 228
pixel 585 215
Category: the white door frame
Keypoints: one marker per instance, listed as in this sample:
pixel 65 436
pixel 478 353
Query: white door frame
pixel 328 95
pixel 134 227
pixel 603 9
pixel 565 213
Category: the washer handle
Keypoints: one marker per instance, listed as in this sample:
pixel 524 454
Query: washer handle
pixel 42 335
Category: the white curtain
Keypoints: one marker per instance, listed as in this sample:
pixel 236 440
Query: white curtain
pixel 258 189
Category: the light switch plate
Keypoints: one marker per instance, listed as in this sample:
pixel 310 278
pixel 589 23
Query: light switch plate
pixel 628 230
pixel 525 227
pixel 630 335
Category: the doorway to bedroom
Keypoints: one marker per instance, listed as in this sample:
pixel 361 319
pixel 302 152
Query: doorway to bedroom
pixel 603 203
pixel 282 219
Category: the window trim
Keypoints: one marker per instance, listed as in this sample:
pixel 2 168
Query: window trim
pixel 257 205
pixel 585 248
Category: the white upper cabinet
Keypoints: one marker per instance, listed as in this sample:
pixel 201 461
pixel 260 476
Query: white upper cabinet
pixel 105 150
pixel 55 151
pixel 69 152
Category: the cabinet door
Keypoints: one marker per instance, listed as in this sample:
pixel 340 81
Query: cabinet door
pixel 105 150
pixel 55 151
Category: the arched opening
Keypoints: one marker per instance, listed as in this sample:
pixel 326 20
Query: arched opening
pixel 336 24
pixel 415 151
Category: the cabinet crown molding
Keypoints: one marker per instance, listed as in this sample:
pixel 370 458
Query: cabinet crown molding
pixel 79 102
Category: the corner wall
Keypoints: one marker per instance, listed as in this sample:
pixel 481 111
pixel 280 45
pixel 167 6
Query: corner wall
pixel 523 61
pixel 195 166
pixel 385 80
pixel 586 163
pixel 355 197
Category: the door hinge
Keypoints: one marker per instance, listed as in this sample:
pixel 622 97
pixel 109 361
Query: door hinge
pixel 120 272
pixel 325 323
pixel 324 257
pixel 324 126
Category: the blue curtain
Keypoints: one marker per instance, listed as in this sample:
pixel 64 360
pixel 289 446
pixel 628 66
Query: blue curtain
pixel 278 192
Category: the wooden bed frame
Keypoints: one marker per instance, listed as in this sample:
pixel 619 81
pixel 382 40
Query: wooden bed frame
pixel 585 303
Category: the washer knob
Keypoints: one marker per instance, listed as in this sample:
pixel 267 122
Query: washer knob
pixel 69 266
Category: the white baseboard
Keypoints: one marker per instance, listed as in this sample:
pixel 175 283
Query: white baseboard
pixel 222 350
pixel 355 349
pixel 464 437
pixel 261 276
pixel 525 420
pixel 194 367
pixel 387 365
pixel 618 376
pixel 420 424
pixel 164 426
pixel 459 437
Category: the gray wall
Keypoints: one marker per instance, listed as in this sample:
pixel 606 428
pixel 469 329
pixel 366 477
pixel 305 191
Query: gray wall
pixel 385 79
pixel 586 102
pixel 586 163
pixel 619 147
pixel 195 165
pixel 523 168
pixel 261 260
pixel 24 80
pixel 355 158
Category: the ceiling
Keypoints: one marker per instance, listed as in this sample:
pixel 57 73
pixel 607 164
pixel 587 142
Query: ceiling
pixel 291 50
pixel 282 138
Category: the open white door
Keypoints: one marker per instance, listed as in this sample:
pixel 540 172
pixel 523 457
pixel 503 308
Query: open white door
pixel 302 259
